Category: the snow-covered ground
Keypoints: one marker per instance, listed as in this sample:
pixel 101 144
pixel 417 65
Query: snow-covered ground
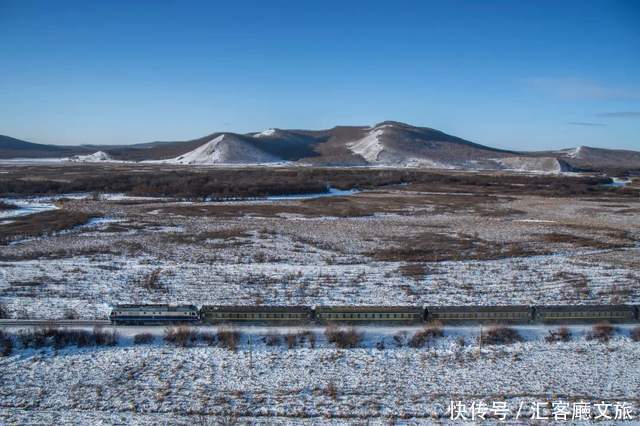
pixel 46 288
pixel 292 258
pixel 313 252
pixel 161 384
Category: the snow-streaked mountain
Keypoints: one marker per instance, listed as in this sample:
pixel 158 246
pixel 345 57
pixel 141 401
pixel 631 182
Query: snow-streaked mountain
pixel 397 144
pixel 225 149
pixel 386 144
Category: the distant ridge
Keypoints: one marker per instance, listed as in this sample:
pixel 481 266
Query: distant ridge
pixel 385 144
pixel 17 148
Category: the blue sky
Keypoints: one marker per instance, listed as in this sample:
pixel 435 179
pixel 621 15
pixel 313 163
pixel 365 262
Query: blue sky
pixel 511 74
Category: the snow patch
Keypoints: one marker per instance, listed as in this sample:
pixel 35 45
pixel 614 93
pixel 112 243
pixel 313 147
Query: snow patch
pixel 574 153
pixel 224 149
pixel 532 164
pixel 268 132
pixel 96 157
pixel 370 146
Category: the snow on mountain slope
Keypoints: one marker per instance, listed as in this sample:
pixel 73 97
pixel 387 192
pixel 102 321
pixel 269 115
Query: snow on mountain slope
pixel 573 153
pixel 96 157
pixel 368 147
pixel 534 164
pixel 398 144
pixel 225 149
pixel 268 132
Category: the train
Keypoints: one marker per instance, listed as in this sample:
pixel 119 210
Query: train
pixel 136 314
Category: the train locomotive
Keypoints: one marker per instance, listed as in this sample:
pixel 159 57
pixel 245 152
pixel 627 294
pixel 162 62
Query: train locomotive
pixel 154 314
pixel 290 315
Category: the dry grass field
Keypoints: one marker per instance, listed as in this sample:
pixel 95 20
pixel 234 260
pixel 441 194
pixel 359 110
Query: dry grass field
pixel 404 237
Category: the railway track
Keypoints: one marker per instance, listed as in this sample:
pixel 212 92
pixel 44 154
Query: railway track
pixel 5 323
pixel 52 323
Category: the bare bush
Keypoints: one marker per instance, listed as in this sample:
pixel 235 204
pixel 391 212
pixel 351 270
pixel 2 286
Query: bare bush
pixel 562 334
pixel 312 339
pixel 208 338
pixel 6 344
pixel 272 339
pixel 292 340
pixel 34 338
pixel 143 338
pixel 151 281
pixel 400 338
pixel 500 335
pixel 71 314
pixel 331 391
pixel 635 334
pixel 180 336
pixel 430 332
pixel 101 337
pixel 3 312
pixel 415 271
pixel 228 339
pixel 343 339
pixel 61 338
pixel 602 331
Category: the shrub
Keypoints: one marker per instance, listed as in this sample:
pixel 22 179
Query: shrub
pixel 309 336
pixel 602 331
pixel 228 339
pixel 635 334
pixel 292 340
pixel 208 338
pixel 560 335
pixel 151 281
pixel 61 338
pixel 500 335
pixel 71 314
pixel 272 339
pixel 415 271
pixel 331 391
pixel 430 332
pixel 343 339
pixel 6 344
pixel 180 336
pixel 143 338
pixel 104 338
pixel 34 338
pixel 400 338
pixel 3 312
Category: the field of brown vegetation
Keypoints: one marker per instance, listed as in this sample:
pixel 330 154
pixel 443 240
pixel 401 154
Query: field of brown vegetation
pixel 406 237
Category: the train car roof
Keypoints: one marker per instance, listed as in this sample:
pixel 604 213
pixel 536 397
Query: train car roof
pixel 347 308
pixel 587 307
pixel 258 308
pixel 172 308
pixel 473 308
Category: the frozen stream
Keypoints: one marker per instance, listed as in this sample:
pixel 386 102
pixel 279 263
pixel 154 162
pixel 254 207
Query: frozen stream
pixel 29 206
pixel 26 207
